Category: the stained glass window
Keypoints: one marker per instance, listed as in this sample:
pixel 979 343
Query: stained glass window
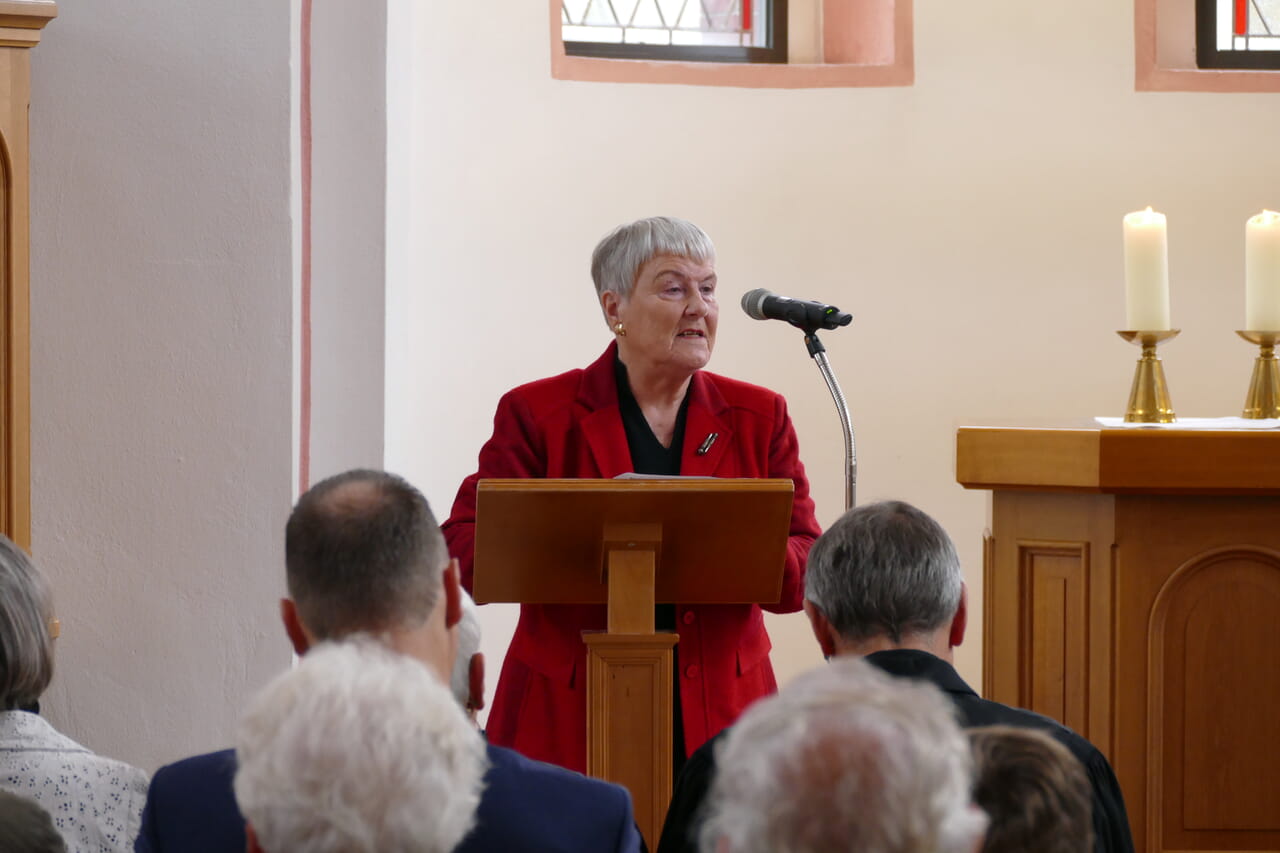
pixel 1238 33
pixel 699 30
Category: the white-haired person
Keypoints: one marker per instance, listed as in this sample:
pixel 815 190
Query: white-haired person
pixel 96 803
pixel 883 583
pixel 357 750
pixel 845 758
pixel 646 405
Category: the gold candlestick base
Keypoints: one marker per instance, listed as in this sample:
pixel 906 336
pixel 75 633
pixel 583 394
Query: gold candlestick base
pixel 1263 400
pixel 1149 401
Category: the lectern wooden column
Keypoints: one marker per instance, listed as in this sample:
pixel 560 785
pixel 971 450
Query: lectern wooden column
pixel 631 543
pixel 1132 591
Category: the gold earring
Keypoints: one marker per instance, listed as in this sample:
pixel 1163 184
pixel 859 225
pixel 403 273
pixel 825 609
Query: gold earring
pixel 619 330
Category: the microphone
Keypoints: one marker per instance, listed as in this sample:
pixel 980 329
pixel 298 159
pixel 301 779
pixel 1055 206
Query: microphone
pixel 761 304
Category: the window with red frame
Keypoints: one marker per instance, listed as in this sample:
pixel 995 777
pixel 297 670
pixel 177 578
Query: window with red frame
pixel 1238 34
pixel 676 30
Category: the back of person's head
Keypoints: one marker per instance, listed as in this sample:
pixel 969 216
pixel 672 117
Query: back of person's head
pixel 1034 791
pixel 363 553
pixel 884 569
pixel 357 750
pixel 27 828
pixel 464 680
pixel 844 758
pixel 26 647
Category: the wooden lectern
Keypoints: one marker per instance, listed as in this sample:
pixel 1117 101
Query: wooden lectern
pixel 1132 591
pixel 631 543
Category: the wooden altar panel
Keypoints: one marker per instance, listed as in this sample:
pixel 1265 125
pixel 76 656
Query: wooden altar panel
pixel 1044 580
pixel 1198 670
pixel 1054 582
pixel 1212 645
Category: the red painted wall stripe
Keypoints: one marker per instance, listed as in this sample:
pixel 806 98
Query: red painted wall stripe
pixel 1242 17
pixel 304 330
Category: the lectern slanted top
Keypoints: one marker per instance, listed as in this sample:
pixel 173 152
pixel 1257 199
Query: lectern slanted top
pixel 724 541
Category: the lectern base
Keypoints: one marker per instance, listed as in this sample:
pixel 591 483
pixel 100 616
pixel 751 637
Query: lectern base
pixel 629 720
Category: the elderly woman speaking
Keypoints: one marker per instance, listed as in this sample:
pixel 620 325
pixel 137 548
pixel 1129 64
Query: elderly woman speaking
pixel 646 406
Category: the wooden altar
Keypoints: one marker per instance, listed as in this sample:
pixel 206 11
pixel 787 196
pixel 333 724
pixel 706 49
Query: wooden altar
pixel 1132 591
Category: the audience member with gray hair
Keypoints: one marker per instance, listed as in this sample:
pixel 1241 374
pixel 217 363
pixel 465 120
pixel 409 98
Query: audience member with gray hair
pixel 883 583
pixel 364 556
pixel 1034 791
pixel 96 802
pixel 845 758
pixel 357 750
pixel 27 828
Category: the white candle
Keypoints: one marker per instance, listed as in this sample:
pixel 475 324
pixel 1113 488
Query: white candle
pixel 1262 272
pixel 1146 271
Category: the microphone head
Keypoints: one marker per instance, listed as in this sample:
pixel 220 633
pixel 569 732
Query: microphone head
pixel 753 303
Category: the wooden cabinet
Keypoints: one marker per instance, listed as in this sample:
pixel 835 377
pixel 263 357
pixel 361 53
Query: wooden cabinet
pixel 1132 591
pixel 20 27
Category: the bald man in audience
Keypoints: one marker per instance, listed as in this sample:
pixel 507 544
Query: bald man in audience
pixel 363 554
pixel 884 584
pixel 845 758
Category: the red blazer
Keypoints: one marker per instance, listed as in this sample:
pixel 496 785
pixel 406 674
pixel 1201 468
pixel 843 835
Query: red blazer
pixel 571 426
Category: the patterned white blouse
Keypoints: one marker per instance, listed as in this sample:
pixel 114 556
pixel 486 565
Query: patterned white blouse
pixel 95 802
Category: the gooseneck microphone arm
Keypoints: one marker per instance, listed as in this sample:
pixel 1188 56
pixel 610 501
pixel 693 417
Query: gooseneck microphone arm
pixel 809 317
pixel 819 354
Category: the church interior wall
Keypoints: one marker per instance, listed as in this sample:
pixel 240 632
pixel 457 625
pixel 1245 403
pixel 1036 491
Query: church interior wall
pixel 971 222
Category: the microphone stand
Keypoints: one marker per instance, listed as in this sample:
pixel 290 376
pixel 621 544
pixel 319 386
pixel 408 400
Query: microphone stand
pixel 818 353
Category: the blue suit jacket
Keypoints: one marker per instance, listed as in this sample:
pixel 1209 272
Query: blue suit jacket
pixel 526 806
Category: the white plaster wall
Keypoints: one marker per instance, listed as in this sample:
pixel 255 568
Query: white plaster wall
pixel 971 222
pixel 348 226
pixel 161 386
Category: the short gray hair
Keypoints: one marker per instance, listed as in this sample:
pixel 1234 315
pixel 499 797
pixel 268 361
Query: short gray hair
pixel 884 569
pixel 363 552
pixel 845 758
pixel 358 750
pixel 468 647
pixel 617 258
pixel 26 648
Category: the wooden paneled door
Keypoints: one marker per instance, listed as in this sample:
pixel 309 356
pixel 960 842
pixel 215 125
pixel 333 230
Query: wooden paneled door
pixel 20 27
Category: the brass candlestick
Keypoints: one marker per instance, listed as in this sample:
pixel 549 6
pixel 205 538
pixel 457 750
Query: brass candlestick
pixel 1264 388
pixel 1149 401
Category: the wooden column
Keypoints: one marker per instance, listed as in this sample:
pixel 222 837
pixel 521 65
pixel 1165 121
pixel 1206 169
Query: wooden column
pixel 629 677
pixel 1132 591
pixel 20 27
